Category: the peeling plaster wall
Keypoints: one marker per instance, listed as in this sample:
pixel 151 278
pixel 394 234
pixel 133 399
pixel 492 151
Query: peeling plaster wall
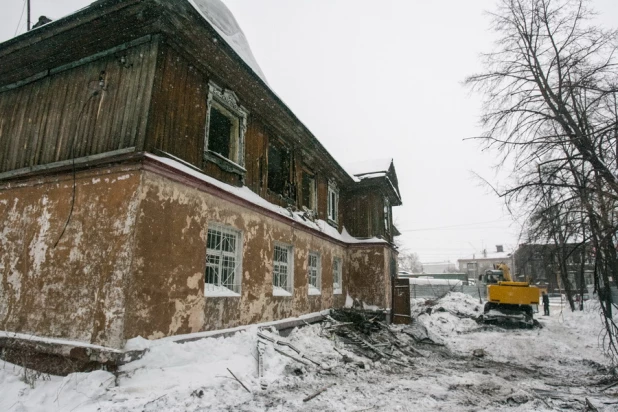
pixel 132 260
pixel 75 289
pixel 166 296
pixel 369 274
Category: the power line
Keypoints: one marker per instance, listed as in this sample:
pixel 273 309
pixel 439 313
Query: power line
pixel 20 17
pixel 457 226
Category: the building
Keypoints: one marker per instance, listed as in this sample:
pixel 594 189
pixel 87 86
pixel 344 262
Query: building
pixel 475 266
pixel 152 184
pixel 540 263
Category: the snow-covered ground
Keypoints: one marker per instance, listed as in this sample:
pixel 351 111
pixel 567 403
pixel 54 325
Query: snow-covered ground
pixel 556 367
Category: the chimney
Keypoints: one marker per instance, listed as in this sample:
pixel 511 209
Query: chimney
pixel 499 248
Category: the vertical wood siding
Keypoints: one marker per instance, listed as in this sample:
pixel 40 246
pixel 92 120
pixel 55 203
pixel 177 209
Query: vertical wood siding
pixel 67 114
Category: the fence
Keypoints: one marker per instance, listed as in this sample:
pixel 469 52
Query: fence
pixel 431 291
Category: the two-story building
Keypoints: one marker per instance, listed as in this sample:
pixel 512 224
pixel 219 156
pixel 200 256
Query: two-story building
pixel 153 184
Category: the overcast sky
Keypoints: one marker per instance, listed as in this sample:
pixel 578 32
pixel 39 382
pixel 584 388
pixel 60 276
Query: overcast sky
pixel 378 79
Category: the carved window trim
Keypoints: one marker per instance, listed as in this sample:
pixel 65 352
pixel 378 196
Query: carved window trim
pixel 227 102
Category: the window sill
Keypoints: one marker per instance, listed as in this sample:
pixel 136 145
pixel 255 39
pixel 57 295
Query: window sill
pixel 277 291
pixel 338 292
pixel 219 291
pixel 332 223
pixel 313 291
pixel 224 163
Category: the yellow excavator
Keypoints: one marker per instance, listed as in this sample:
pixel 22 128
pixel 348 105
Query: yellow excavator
pixel 508 301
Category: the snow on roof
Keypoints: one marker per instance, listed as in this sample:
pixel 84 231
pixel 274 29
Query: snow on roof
pixel 490 255
pixel 247 194
pixel 369 168
pixel 222 19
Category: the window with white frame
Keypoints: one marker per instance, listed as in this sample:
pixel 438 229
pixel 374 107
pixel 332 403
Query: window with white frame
pixel 223 261
pixel 283 270
pixel 314 273
pixel 226 124
pixel 337 276
pixel 333 202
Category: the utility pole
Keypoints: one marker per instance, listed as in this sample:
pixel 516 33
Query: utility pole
pixel 28 12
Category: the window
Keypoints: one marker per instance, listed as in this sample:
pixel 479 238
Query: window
pixel 333 202
pixel 309 192
pixel 337 276
pixel 387 215
pixel 283 266
pixel 223 261
pixel 314 274
pixel 279 171
pixel 225 129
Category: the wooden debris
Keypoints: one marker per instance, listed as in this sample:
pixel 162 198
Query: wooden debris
pixel 590 406
pixel 308 398
pixel 238 380
pixel 272 339
pixel 608 386
pixel 291 356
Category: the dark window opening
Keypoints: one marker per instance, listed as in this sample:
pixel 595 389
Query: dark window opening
pixel 219 132
pixel 279 171
pixel 308 183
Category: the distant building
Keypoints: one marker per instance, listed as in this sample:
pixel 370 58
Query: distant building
pixel 437 267
pixel 476 265
pixel 539 263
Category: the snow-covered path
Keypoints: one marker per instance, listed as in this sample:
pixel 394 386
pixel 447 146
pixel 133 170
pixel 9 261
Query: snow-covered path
pixel 546 369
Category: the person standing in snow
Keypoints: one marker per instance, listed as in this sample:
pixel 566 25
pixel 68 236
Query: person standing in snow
pixel 545 303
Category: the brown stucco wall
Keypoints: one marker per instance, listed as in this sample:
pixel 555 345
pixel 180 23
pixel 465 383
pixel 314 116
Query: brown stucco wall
pixel 369 274
pixel 74 290
pixel 132 259
pixel 167 288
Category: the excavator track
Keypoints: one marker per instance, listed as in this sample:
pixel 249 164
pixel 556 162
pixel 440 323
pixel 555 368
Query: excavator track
pixel 510 315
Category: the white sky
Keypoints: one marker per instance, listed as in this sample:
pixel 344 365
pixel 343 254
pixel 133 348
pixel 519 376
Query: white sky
pixel 381 79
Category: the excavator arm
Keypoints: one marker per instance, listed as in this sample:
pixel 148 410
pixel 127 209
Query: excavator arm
pixel 506 272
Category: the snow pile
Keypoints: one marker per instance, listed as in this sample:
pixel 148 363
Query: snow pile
pixel 519 366
pixel 572 335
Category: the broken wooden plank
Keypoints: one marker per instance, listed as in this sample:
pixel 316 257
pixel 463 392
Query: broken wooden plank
pixel 238 380
pixel 308 398
pixel 291 356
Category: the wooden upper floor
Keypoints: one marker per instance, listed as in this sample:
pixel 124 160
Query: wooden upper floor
pixel 156 76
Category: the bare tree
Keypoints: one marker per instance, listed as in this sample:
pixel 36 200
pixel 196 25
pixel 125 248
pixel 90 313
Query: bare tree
pixel 551 110
pixel 410 262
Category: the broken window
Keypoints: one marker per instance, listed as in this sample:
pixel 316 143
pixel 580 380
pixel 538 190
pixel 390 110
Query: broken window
pixel 309 191
pixel 337 276
pixel 314 274
pixel 283 264
pixel 279 170
pixel 226 125
pixel 223 259
pixel 333 202
pixel 387 215
pixel 220 132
